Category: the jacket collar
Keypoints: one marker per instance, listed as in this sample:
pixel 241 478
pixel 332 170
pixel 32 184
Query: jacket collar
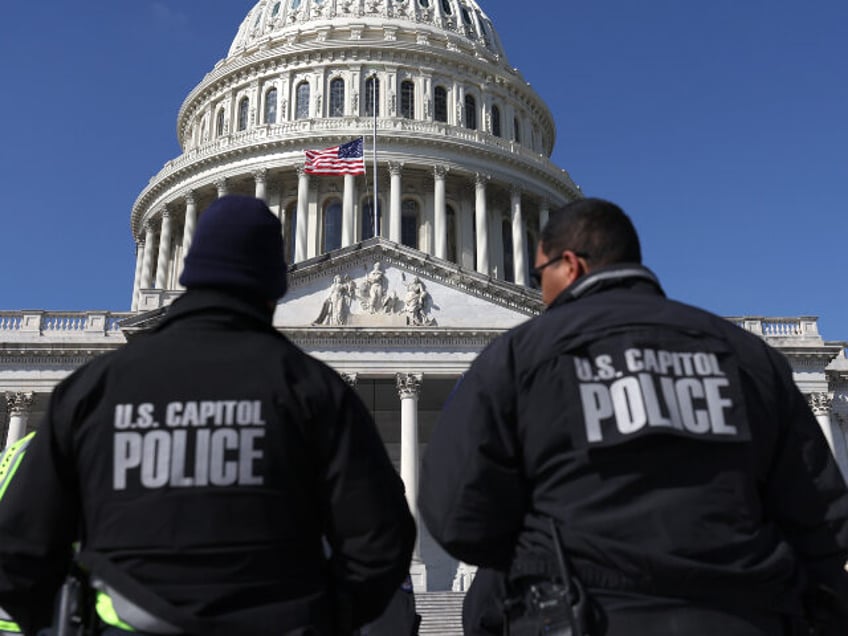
pixel 621 275
pixel 195 301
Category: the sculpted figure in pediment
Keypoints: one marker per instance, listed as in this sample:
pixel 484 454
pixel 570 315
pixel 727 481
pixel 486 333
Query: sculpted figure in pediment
pixel 336 307
pixel 417 304
pixel 373 291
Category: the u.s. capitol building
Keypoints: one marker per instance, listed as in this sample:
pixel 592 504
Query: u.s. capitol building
pixel 463 185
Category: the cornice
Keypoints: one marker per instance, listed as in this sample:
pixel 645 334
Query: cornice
pixel 391 339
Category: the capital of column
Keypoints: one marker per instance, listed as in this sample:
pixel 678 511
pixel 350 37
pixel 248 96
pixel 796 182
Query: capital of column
pixel 189 197
pixel 19 403
pixel 301 171
pixel 820 402
pixel 260 175
pixel 164 212
pixel 350 379
pixel 221 185
pixel 408 385
pixel 515 191
pixel 439 172
pixel 395 168
pixel 481 179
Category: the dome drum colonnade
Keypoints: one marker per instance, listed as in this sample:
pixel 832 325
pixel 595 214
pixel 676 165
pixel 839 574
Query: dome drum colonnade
pixel 449 182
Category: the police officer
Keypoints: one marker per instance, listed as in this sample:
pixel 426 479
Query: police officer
pixel 207 469
pixel 688 481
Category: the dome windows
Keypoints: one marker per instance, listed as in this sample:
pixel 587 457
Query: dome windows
pixel 295 4
pixel 372 97
pixel 301 109
pixel 470 112
pixel 332 235
pixel 275 10
pixel 337 97
pixel 407 99
pixel 424 3
pixel 243 108
pixel 219 123
pixel 466 16
pixel 440 104
pixel 446 7
pixel 409 223
pixel 496 121
pixel 271 106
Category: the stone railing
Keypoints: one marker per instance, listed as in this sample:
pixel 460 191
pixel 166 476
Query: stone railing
pixel 62 323
pixel 299 129
pixel 800 327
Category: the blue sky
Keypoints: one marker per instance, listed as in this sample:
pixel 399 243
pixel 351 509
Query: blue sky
pixel 721 127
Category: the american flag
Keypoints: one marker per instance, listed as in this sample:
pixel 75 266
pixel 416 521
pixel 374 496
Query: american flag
pixel 338 160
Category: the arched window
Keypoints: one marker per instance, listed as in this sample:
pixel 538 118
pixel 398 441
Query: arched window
pixel 219 123
pixel 424 3
pixel 337 98
pixel 295 4
pixel 271 106
pixel 451 223
pixel 506 242
pixel 496 121
pixel 244 104
pixel 407 99
pixel 301 109
pixel 466 17
pixel 409 223
pixel 470 112
pixel 446 7
pixel 289 231
pixel 275 10
pixel 440 103
pixel 372 97
pixel 367 208
pixel 516 131
pixel 332 237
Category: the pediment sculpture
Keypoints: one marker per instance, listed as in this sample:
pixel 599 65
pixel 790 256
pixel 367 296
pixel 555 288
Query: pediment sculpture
pixel 370 302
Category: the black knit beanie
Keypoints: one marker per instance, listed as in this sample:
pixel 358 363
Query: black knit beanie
pixel 238 245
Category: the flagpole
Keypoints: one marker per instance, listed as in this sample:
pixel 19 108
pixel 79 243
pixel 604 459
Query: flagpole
pixel 374 108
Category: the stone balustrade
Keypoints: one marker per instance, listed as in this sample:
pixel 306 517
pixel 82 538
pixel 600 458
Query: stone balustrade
pixel 799 327
pixel 62 323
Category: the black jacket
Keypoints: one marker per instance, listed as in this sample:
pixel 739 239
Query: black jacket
pixel 673 448
pixel 207 461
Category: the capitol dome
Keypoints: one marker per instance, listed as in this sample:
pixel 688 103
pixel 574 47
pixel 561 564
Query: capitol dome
pixel 463 143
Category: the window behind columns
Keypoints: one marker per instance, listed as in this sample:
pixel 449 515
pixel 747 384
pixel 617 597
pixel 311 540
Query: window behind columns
pixel 451 234
pixel 219 123
pixel 496 121
pixel 367 225
pixel 244 104
pixel 271 106
pixel 289 231
pixel 409 223
pixel 337 97
pixel 506 242
pixel 301 110
pixel 446 7
pixel 516 130
pixel 470 112
pixel 407 99
pixel 440 104
pixel 332 235
pixel 372 97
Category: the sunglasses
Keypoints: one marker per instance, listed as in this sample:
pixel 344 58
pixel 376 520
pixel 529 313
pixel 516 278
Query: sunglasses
pixel 536 272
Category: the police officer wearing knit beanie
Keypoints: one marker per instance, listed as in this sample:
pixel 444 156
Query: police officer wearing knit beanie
pixel 238 246
pixel 208 461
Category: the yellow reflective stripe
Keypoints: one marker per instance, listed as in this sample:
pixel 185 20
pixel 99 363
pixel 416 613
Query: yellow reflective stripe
pixel 8 626
pixel 10 460
pixel 106 612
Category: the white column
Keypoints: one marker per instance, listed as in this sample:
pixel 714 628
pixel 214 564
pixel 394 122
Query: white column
pixel 139 261
pixel 261 186
pixel 519 239
pixel 347 210
pixel 820 403
pixel 162 265
pixel 394 206
pixel 221 186
pixel 147 265
pixel 188 226
pixel 302 212
pixel 408 386
pixel 544 213
pixel 481 223
pixel 17 406
pixel 440 226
